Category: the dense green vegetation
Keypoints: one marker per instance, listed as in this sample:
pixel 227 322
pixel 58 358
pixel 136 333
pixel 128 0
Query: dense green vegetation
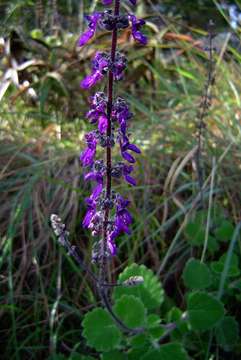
pixel 193 251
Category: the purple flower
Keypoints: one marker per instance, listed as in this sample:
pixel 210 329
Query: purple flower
pixel 121 113
pixel 119 66
pixel 102 123
pixel 87 156
pixel 132 147
pixel 91 80
pixel 88 217
pixel 127 170
pixel 136 26
pixel 92 26
pixel 100 65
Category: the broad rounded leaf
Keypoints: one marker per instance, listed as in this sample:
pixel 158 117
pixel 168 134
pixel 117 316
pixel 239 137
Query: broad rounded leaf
pixel 196 275
pixel 204 311
pixel 227 332
pixel 150 292
pixel 139 340
pixel 100 330
pixel 225 231
pixel 131 311
pixel 172 351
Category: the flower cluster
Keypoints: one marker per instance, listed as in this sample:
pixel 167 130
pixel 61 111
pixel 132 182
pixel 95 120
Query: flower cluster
pixel 108 21
pixel 107 215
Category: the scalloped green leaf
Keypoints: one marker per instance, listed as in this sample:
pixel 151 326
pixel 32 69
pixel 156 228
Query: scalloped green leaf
pixel 196 275
pixel 150 292
pixel 227 332
pixel 204 311
pixel 131 311
pixel 100 330
pixel 225 231
pixel 166 352
pixel 139 340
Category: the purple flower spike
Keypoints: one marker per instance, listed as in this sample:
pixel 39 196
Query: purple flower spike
pixel 136 26
pixel 92 26
pixel 91 80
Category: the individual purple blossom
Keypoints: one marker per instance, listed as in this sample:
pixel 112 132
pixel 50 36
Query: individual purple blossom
pixel 136 26
pixel 91 79
pixel 127 170
pixel 88 155
pixel 92 26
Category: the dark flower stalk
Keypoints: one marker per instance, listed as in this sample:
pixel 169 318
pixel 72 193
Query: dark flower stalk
pixel 108 148
pixel 203 110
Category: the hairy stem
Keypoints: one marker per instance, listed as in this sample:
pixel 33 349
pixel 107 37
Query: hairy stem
pixel 103 266
pixel 205 104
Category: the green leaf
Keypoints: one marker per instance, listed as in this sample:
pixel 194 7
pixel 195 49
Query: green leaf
pixel 225 231
pixel 139 340
pixel 100 330
pixel 155 329
pixel 114 355
pixel 227 332
pixel 150 292
pixel 204 311
pixel 218 266
pixel 196 275
pixel 131 311
pixel 136 353
pixel 166 352
pixel 176 315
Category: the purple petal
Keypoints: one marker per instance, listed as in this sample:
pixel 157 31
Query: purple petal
pixel 136 33
pixel 87 219
pixel 87 156
pixel 134 148
pixel 130 180
pixel 91 80
pixel 102 124
pixel 96 192
pixel 86 36
pixel 93 115
pixel 90 176
pixel 133 2
pixel 128 157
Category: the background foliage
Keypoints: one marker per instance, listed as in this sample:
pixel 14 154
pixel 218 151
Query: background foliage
pixel 44 298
